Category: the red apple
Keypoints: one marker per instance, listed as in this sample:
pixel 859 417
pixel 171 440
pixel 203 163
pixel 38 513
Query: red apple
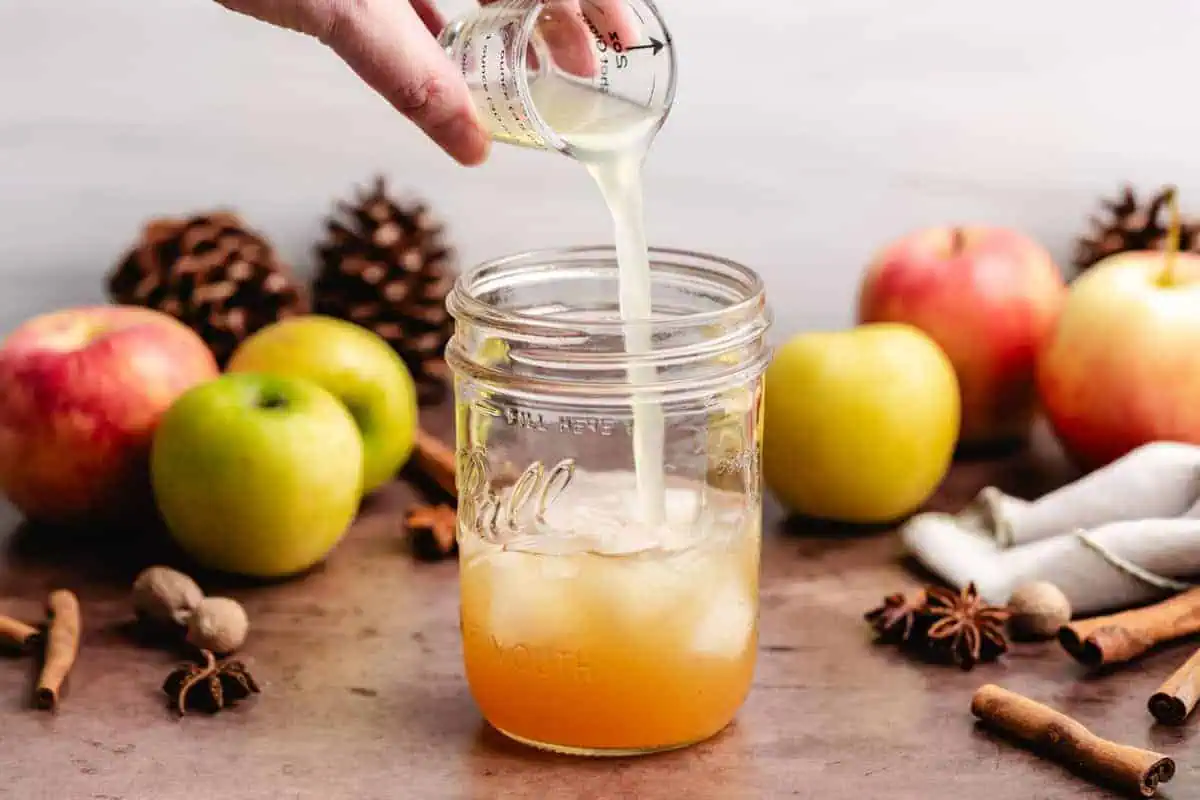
pixel 81 391
pixel 1123 366
pixel 990 297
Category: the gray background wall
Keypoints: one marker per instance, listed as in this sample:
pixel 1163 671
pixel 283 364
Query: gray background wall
pixel 806 134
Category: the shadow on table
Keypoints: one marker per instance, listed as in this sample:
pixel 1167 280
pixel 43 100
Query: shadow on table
pixel 1021 469
pixel 815 527
pixel 1170 737
pixel 489 742
pixel 104 556
pixel 100 554
pixel 988 451
pixel 1087 778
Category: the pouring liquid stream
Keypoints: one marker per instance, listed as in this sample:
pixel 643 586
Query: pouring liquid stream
pixel 619 179
pixel 610 137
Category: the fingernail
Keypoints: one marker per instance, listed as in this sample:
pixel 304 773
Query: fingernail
pixel 465 141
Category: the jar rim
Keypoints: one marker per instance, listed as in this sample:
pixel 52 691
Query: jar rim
pixel 463 303
pixel 567 347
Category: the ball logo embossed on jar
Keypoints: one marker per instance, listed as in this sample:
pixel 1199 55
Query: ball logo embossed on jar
pixel 474 486
pixel 527 501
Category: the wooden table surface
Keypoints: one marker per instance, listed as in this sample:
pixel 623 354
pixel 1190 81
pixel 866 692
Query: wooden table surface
pixel 365 696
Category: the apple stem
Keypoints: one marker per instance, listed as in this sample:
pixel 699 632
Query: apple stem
pixel 1172 244
pixel 958 241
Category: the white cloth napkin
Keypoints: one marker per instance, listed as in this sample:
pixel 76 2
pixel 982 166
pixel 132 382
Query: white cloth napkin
pixel 1120 536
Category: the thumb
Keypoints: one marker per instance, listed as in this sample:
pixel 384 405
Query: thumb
pixel 386 43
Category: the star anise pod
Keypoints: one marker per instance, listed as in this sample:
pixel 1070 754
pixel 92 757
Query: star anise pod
pixel 899 620
pixel 209 687
pixel 965 629
pixel 236 682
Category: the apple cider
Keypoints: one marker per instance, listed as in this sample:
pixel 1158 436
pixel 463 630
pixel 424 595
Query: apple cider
pixel 595 635
pixel 609 503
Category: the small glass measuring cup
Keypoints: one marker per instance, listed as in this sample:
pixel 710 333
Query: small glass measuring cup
pixel 574 76
pixel 586 630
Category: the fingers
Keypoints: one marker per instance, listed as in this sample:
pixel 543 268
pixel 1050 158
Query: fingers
pixel 578 34
pixel 388 43
pixel 429 15
pixel 615 20
pixel 563 29
pixel 570 43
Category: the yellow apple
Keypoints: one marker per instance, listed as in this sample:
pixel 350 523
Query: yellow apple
pixel 860 425
pixel 359 368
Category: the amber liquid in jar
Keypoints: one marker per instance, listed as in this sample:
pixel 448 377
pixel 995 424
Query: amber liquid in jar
pixel 644 641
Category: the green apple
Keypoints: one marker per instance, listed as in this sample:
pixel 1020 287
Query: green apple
pixel 359 368
pixel 860 425
pixel 257 474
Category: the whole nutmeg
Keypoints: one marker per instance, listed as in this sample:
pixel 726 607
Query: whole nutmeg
pixel 165 596
pixel 1038 610
pixel 219 624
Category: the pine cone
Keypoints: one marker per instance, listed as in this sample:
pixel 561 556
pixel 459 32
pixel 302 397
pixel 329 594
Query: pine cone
pixel 386 266
pixel 1131 225
pixel 211 272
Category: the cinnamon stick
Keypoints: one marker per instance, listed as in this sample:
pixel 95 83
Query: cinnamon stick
pixel 437 460
pixel 433 531
pixel 15 633
pixel 1057 736
pixel 1177 697
pixel 62 646
pixel 1117 638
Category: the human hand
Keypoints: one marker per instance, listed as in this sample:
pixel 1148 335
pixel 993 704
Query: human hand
pixel 390 44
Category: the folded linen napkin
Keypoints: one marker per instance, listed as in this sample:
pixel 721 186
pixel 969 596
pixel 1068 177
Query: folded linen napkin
pixel 1120 536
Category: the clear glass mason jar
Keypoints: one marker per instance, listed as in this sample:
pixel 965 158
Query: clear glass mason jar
pixel 610 506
